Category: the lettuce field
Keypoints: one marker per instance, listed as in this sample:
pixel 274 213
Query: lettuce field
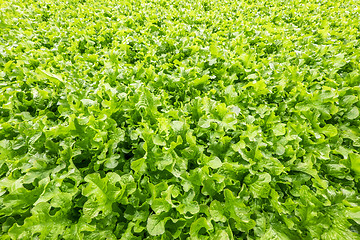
pixel 183 119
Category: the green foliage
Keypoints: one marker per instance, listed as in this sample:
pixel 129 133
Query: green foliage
pixel 200 119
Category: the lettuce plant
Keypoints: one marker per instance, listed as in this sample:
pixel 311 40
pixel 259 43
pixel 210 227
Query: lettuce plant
pixel 197 119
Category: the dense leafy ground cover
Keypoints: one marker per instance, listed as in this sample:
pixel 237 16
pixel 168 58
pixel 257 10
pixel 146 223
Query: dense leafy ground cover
pixel 179 119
